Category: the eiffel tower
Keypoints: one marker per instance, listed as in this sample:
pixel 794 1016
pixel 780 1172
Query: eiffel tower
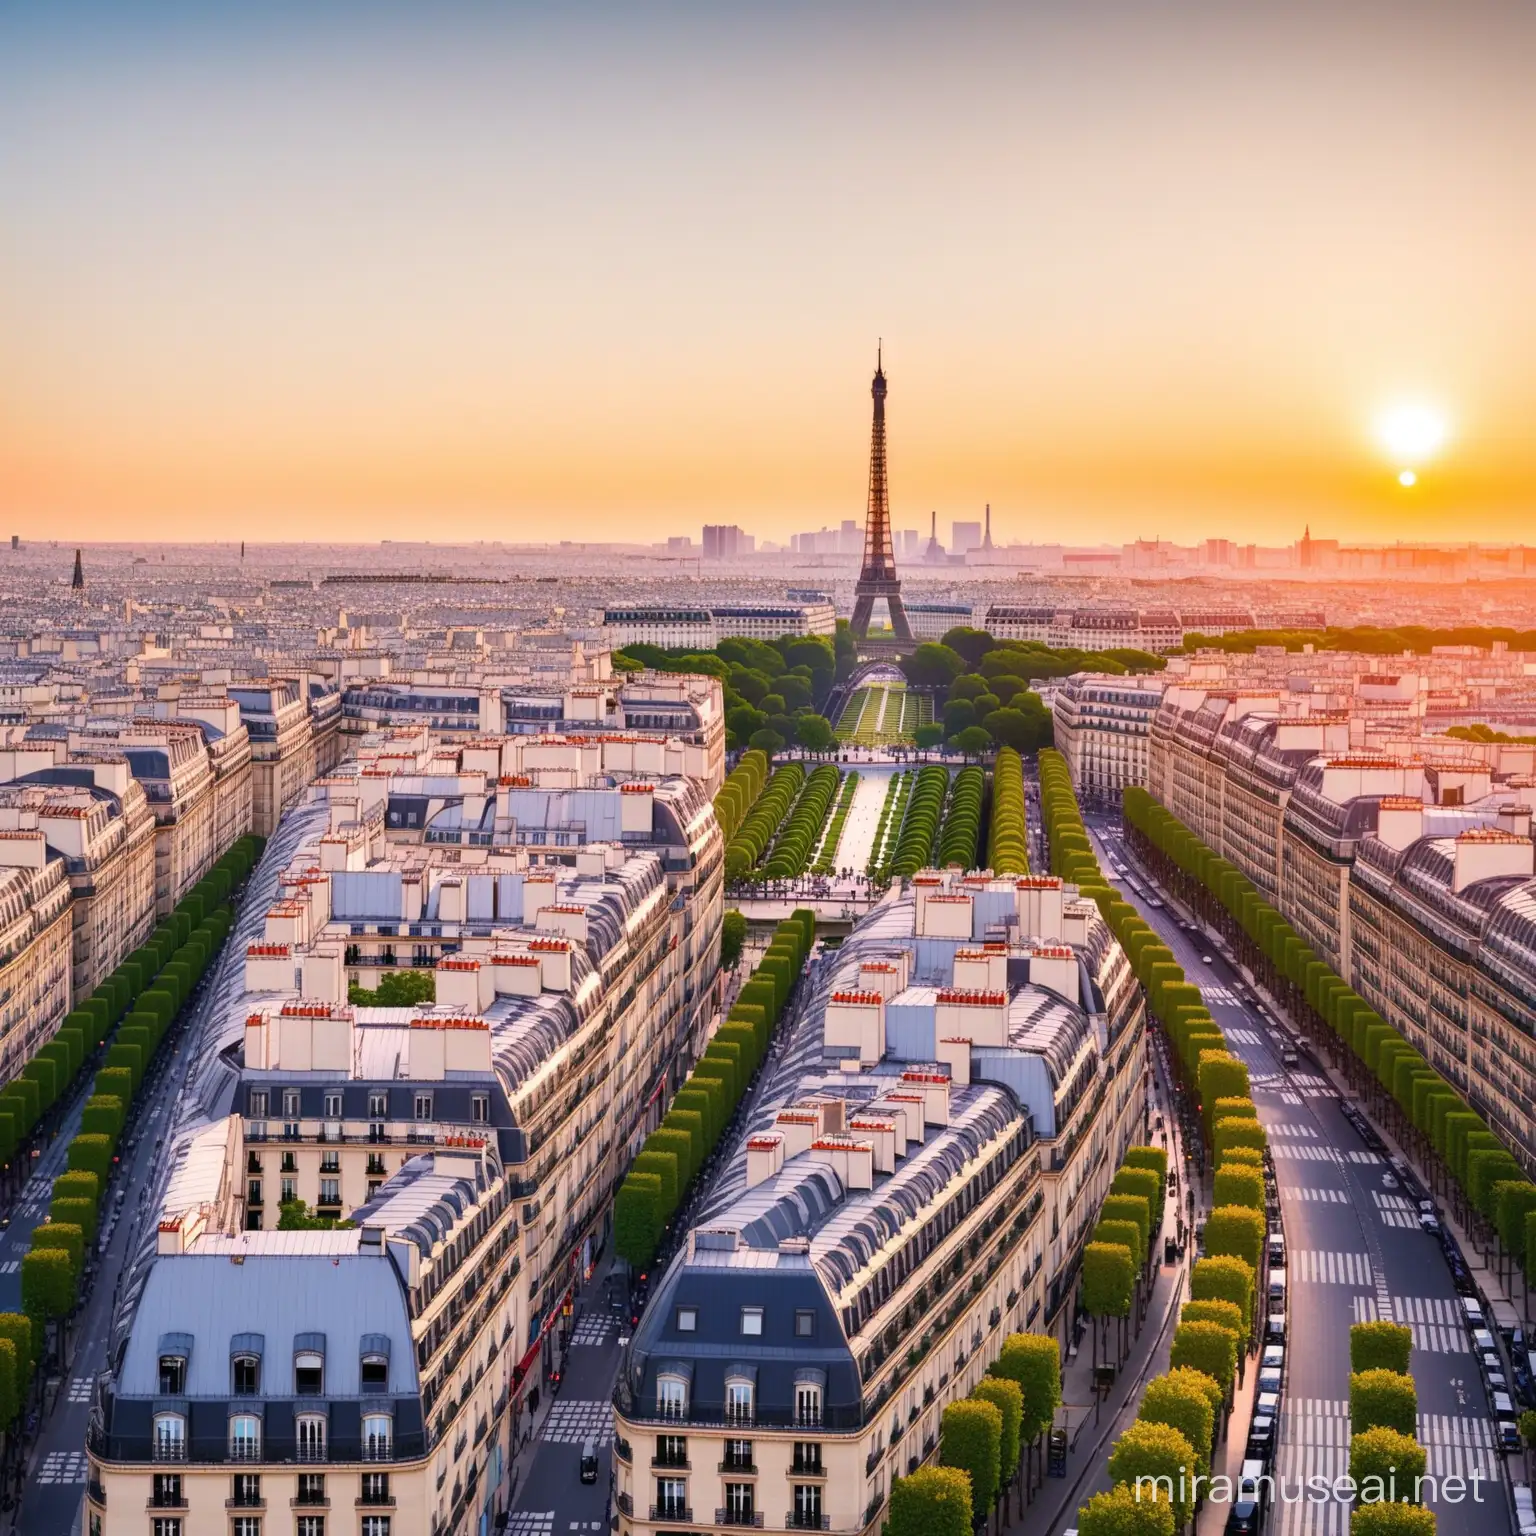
pixel 878 576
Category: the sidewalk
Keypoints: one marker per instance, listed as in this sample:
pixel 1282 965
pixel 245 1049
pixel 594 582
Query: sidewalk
pixel 1092 1428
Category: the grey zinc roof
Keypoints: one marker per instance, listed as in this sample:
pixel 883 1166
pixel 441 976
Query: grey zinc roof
pixel 216 1301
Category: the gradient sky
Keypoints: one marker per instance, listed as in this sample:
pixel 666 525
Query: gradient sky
pixel 526 272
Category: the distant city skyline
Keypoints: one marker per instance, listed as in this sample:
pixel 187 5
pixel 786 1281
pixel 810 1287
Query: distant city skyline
pixel 603 272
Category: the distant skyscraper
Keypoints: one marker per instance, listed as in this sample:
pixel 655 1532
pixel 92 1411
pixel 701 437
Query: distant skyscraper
pixel 964 537
pixel 986 542
pixel 77 581
pixel 935 549
pixel 724 541
pixel 877 576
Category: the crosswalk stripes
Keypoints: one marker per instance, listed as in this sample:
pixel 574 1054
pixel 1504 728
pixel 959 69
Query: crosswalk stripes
pixel 10 1266
pixel 528 1522
pixel 1216 993
pixel 1363 1157
pixel 1314 1442
pixel 572 1423
pixel 1327 1266
pixel 1436 1323
pixel 1394 1210
pixel 1244 1036
pixel 1287 1128
pixel 80 1389
pixel 1302 1152
pixel 1365 1309
pixel 1458 1446
pixel 592 1330
pixel 1308 1192
pixel 63 1467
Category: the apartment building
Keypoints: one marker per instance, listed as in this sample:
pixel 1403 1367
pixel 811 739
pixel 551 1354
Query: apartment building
pixel 934 620
pixel 96 819
pixel 1099 628
pixel 918 1181
pixel 703 627
pixel 1102 724
pixel 474 1141
pixel 36 945
pixel 279 724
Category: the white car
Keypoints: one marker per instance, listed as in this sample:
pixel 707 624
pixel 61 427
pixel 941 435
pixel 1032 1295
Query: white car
pixel 1206 960
pixel 1388 1181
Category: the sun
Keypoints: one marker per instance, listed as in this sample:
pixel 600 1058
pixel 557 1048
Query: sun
pixel 1412 433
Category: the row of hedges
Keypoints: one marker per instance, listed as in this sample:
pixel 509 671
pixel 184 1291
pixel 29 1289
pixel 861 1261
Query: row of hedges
pixel 826 859
pixel 1123 1243
pixel 763 820
pixel 960 835
pixel 920 826
pixel 802 830
pixel 892 811
pixel 742 786
pixel 670 1159
pixel 982 1441
pixel 1489 1178
pixel 53 1071
pixel 162 973
pixel 1007 837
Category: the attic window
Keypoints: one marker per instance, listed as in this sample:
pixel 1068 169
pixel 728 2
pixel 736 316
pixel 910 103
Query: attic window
pixel 375 1374
pixel 173 1375
pixel 308 1373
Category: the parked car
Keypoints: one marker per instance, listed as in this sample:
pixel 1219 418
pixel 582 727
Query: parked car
pixel 1274 1328
pixel 1389 1181
pixel 1273 1357
pixel 1206 960
pixel 1261 1438
pixel 1269 1379
pixel 1472 1311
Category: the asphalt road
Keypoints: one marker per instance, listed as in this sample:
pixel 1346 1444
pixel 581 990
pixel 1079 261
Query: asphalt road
pixel 1354 1251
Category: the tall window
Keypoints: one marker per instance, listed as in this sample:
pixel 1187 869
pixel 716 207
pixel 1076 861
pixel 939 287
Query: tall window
pixel 807 1456
pixel 671 1451
pixel 170 1437
pixel 423 1106
pixel 310 1525
pixel 245 1374
pixel 738 1402
pixel 311 1488
pixel 671 1498
pixel 807 1404
pixel 671 1398
pixel 165 1525
pixel 245 1437
pixel 245 1525
pixel 738 1455
pixel 308 1373
pixel 480 1107
pixel 330 1191
pixel 258 1103
pixel 165 1491
pixel 173 1375
pixel 311 1437
pixel 375 1488
pixel 333 1106
pixel 290 1103
pixel 245 1489
pixel 807 1506
pixel 377 1431
pixel 375 1369
pixel 375 1525
pixel 378 1106
pixel 739 1504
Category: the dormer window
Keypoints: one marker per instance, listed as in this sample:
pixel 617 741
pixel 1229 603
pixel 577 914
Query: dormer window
pixel 245 1375
pixel 308 1367
pixel 173 1375
pixel 374 1364
pixel 671 1397
pixel 290 1103
pixel 738 1400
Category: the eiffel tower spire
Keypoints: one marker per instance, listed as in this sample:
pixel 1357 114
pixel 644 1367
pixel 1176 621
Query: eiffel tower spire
pixel 877 576
pixel 77 581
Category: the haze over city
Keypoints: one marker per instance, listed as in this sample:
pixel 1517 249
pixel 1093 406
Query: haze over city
pixel 355 271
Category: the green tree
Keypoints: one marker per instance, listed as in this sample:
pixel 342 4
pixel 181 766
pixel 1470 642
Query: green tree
pixel 1224 1314
pixel 1237 1133
pixel 934 1501
pixel 296 1216
pixel 637 1219
pixel 1383 1399
pixel 733 937
pixel 1008 1398
pixel 1392 1520
pixel 1180 1400
pixel 17 1328
pixel 1033 1360
pixel 1159 1457
pixel 47 1285
pixel 1109 1281
pixel 91 1154
pixel 67 1236
pixel 1392 1461
pixel 1237 1231
pixel 1206 1347
pixel 10 1385
pixel 973 741
pixel 815 733
pixel 1120 1512
pixel 932 666
pixel 928 736
pixel 1236 1185
pixel 970 1438
pixel 1380 1346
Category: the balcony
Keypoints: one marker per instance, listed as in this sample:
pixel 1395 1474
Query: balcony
pixel 799 1522
pixel 671 1514
pixel 737 1468
pixel 812 1469
pixel 747 1519
pixel 671 1464
pixel 169 1450
pixel 96 1493
pixel 376 1501
pixel 246 1450
pixel 176 1500
pixel 622 1452
pixel 242 1502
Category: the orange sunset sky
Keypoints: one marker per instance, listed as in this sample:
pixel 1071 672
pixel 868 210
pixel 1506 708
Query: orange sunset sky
pixel 530 272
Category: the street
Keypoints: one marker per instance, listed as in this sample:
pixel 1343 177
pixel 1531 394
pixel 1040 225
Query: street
pixel 1354 1252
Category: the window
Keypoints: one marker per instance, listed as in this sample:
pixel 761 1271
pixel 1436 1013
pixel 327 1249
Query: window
pixel 739 1506
pixel 377 1430
pixel 805 1325
pixel 375 1373
pixel 245 1525
pixel 752 1322
pixel 671 1451
pixel 378 1106
pixel 310 1525
pixel 375 1488
pixel 330 1162
pixel 165 1491
pixel 375 1525
pixel 671 1398
pixel 807 1509
pixel 290 1103
pixel 807 1403
pixel 423 1106
pixel 738 1402
pixel 308 1373
pixel 310 1430
pixel 333 1106
pixel 738 1456
pixel 687 1319
pixel 253 1192
pixel 165 1525
pixel 245 1373
pixel 330 1191
pixel 173 1375
pixel 258 1103
pixel 311 1489
pixel 245 1437
pixel 245 1489
pixel 671 1498
pixel 170 1437
pixel 807 1456
pixel 480 1108
pixel 290 1190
